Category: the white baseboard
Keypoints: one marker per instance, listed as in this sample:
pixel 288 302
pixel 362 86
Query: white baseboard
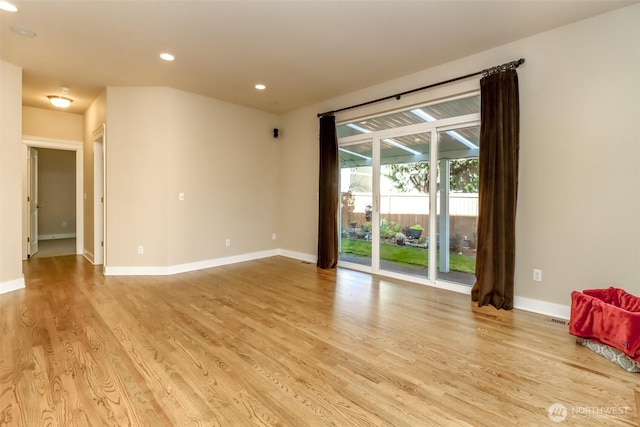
pixel 542 307
pixel 57 236
pixel 11 285
pixel 184 268
pixel 136 271
pixel 298 255
pixel 200 265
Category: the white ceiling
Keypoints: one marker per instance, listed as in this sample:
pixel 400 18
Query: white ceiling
pixel 304 51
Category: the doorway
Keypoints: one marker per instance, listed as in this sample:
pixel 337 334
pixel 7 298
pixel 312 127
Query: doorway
pixel 408 182
pixel 52 204
pixel 31 211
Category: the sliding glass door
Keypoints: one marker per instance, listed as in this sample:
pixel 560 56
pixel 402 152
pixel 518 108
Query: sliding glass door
pixel 408 192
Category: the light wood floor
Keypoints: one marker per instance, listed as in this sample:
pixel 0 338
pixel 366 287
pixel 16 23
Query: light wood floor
pixel 279 342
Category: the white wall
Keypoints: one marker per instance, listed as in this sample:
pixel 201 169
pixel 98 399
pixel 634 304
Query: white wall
pixel 51 124
pixel 223 157
pixel 10 177
pixel 137 165
pixel 578 202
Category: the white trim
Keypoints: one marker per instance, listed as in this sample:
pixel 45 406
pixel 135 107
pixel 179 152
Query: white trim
pixel 56 236
pixel 135 271
pixel 542 307
pixel 57 144
pixel 12 285
pixel 298 255
pixel 88 255
pixel 100 206
pixel 184 268
pixel 200 265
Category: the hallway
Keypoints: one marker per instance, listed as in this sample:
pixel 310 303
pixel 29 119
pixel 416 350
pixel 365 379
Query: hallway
pixel 55 247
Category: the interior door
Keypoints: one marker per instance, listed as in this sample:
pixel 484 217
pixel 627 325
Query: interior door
pixel 33 201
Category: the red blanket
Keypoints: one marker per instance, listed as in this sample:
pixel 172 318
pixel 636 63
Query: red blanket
pixel 611 316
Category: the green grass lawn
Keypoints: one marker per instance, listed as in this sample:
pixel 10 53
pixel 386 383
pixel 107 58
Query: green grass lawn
pixel 408 255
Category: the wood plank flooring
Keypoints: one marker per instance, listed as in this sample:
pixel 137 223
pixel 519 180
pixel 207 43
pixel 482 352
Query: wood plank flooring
pixel 278 342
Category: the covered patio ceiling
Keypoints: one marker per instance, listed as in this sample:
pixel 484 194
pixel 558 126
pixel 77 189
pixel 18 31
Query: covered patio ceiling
pixel 459 143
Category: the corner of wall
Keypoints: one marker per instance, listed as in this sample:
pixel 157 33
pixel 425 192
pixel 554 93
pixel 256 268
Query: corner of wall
pixel 10 176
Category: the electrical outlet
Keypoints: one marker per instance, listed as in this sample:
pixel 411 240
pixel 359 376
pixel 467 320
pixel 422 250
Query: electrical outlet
pixel 180 196
pixel 228 242
pixel 537 275
pixel 273 236
pixel 140 250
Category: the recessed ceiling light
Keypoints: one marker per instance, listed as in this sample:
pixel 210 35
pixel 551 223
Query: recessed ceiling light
pixel 167 56
pixel 7 7
pixel 260 87
pixel 23 31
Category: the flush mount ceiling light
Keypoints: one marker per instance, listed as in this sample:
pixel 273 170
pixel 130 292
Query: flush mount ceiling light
pixel 60 101
pixel 260 86
pixel 167 56
pixel 7 7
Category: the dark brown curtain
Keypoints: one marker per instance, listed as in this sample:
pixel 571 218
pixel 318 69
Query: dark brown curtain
pixel 499 146
pixel 328 194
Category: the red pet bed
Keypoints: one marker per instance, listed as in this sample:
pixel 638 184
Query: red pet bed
pixel 610 316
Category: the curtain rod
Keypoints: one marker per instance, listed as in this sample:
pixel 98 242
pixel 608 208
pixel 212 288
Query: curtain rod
pixel 486 71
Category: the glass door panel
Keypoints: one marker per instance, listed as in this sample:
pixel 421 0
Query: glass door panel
pixel 404 204
pixel 356 202
pixel 457 204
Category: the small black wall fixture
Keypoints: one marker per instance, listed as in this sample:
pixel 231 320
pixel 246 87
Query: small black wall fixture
pixel 275 132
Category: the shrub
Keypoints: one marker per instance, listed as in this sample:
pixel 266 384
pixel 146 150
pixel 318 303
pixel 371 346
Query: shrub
pixel 455 242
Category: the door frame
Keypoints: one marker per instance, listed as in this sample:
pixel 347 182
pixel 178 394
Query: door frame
pixel 99 141
pixel 32 201
pixel 55 144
